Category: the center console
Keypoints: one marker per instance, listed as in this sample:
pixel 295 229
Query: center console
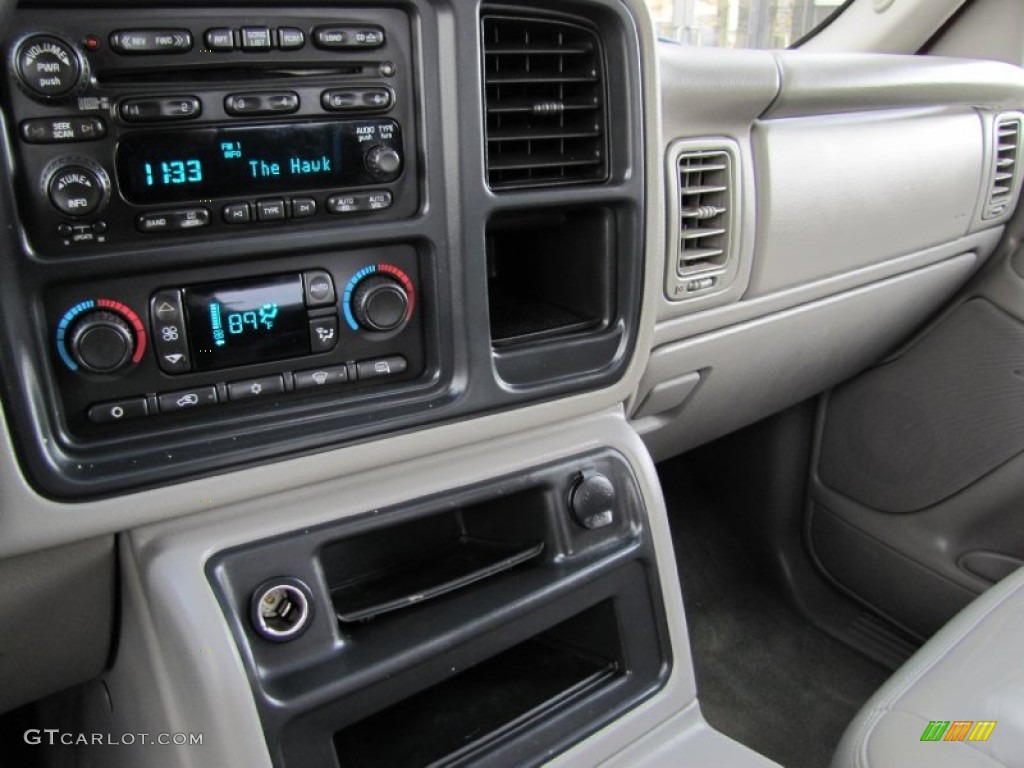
pixel 248 235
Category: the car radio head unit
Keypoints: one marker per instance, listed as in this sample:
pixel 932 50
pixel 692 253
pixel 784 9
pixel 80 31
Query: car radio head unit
pixel 128 136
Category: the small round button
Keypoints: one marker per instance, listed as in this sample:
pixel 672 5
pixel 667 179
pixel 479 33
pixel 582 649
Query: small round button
pixel 102 342
pixel 592 500
pixel 380 303
pixel 76 190
pixel 48 66
pixel 383 161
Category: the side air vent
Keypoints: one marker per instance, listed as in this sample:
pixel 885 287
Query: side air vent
pixel 705 217
pixel 1004 167
pixel 546 121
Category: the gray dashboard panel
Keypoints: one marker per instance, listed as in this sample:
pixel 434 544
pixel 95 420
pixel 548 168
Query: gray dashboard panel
pixel 841 192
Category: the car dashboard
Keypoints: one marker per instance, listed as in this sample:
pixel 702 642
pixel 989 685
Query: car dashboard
pixel 339 343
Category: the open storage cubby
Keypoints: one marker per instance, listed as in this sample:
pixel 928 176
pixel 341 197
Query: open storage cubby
pixel 406 564
pixel 458 718
pixel 482 626
pixel 550 273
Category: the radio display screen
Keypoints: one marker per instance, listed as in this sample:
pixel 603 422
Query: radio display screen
pixel 247 321
pixel 246 161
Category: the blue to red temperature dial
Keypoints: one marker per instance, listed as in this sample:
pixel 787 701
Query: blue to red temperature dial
pixel 379 298
pixel 100 336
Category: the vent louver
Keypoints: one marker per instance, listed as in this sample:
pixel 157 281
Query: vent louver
pixel 1005 166
pixel 545 102
pixel 705 211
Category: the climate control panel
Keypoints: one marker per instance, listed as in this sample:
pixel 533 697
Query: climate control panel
pixel 341 324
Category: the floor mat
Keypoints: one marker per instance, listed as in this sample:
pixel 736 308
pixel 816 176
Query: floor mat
pixel 765 676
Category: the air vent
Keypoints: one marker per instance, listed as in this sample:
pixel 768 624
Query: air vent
pixel 545 101
pixel 1004 170
pixel 705 210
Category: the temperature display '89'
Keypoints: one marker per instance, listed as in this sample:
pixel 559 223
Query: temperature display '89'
pixel 246 321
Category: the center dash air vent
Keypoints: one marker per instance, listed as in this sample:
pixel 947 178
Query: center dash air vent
pixel 545 100
pixel 1004 170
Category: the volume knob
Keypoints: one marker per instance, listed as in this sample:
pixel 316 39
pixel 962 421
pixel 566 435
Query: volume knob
pixel 380 303
pixel 102 342
pixel 48 67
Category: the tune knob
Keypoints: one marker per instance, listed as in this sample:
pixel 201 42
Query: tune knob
pixel 76 186
pixel 380 303
pixel 383 162
pixel 102 342
pixel 48 67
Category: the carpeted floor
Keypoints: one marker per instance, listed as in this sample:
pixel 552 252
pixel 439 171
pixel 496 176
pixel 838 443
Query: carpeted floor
pixel 765 676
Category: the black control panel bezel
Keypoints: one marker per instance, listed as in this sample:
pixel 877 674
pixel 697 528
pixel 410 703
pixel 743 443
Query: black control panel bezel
pixel 465 373
pixel 112 80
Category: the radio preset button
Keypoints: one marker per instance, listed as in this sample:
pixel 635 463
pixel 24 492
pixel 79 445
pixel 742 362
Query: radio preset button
pixel 149 41
pixel 319 288
pixel 121 410
pixel 360 202
pixel 344 38
pixel 237 213
pixel 270 210
pixel 290 38
pixel 57 130
pixel 246 104
pixel 263 387
pixel 171 402
pixel 172 221
pixel 303 207
pixel 386 366
pixel 220 40
pixel 321 377
pixel 144 110
pixel 323 334
pixel 256 39
pixel 356 99
pixel 48 66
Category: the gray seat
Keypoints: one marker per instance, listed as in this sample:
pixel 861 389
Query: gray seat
pixel 970 672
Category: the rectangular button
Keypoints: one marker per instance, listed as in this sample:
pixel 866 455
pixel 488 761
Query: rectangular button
pixel 56 130
pixel 276 103
pixel 356 99
pixel 172 221
pixel 270 210
pixel 290 38
pixel 121 410
pixel 220 40
pixel 319 288
pixel 303 207
pixel 343 38
pixel 359 202
pixel 237 213
pixel 386 366
pixel 146 110
pixel 149 41
pixel 256 39
pixel 321 377
pixel 247 390
pixel 323 334
pixel 173 402
pixel 167 318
